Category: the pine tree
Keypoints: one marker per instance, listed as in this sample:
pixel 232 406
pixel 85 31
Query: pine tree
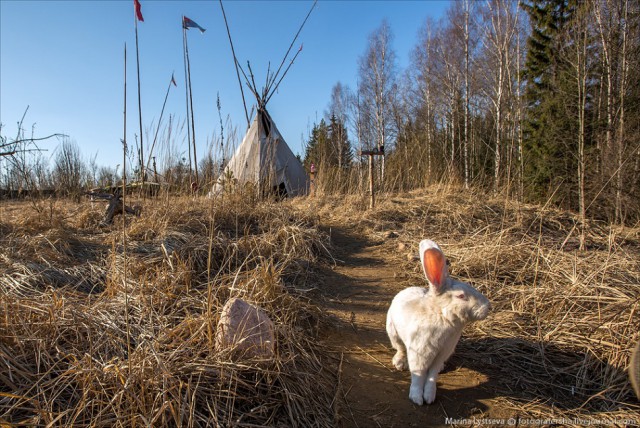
pixel 548 142
pixel 316 151
pixel 341 155
pixel 329 145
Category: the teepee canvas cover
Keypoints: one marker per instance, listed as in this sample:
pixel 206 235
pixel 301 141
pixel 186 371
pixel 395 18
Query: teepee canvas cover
pixel 265 158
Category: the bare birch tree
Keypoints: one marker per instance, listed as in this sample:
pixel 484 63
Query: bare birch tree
pixel 377 77
pixel 579 32
pixel 500 19
pixel 623 88
pixel 338 107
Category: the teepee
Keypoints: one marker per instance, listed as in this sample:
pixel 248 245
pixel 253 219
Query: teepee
pixel 265 159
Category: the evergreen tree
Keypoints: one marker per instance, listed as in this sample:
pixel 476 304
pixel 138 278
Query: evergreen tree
pixel 329 145
pixel 341 155
pixel 316 151
pixel 548 141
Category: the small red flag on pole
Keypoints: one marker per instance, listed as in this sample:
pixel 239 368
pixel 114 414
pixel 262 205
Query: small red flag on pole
pixel 136 5
pixel 173 81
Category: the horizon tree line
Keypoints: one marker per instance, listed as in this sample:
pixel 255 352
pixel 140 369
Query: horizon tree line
pixel 530 99
pixel 534 100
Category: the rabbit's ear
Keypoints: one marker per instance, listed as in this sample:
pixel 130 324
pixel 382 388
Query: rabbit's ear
pixel 435 268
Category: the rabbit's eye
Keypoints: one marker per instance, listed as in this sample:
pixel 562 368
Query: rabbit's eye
pixel 461 296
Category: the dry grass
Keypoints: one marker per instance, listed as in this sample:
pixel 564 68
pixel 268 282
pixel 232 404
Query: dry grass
pixel 557 345
pixel 565 321
pixel 84 342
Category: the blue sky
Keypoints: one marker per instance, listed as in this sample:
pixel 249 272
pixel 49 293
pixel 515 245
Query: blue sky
pixel 64 59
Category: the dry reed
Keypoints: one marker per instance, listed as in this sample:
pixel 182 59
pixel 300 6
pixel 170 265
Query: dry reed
pixel 63 330
pixel 565 321
pixel 557 344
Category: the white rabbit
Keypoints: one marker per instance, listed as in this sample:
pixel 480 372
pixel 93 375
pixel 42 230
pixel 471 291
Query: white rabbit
pixel 424 325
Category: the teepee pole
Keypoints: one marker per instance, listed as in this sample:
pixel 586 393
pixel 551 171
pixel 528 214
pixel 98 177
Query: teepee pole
pixel 254 87
pixel 235 62
pixel 290 46
pixel 284 74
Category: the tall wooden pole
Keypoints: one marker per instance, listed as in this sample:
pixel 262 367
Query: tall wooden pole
pixel 193 129
pixel 141 160
pixel 372 201
pixel 186 91
pixel 124 132
pixel 371 154
pixel 124 231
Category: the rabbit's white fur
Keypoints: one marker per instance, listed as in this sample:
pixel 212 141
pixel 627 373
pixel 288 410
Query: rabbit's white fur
pixel 424 325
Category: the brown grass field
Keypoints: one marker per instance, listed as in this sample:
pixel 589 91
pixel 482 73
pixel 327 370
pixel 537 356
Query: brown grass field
pixel 97 330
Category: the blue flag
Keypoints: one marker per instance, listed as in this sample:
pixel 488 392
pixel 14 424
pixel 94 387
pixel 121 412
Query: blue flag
pixel 187 23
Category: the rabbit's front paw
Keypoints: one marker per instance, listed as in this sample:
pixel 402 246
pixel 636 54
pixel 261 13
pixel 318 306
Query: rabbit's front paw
pixel 429 392
pixel 415 395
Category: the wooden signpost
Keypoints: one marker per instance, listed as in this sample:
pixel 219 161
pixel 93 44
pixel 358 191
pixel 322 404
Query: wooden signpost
pixel 371 153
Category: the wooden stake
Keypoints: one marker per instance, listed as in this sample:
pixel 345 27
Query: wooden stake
pixel 312 184
pixel 371 154
pixel 155 171
pixel 372 201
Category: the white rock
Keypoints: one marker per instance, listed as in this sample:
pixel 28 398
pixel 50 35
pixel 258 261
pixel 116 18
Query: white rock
pixel 246 329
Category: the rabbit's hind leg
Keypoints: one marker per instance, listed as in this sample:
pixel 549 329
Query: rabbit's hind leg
pixel 400 358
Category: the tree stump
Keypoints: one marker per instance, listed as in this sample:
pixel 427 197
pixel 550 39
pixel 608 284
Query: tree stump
pixel 115 208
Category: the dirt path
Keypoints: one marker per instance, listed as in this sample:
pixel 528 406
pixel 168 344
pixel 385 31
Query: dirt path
pixel 358 292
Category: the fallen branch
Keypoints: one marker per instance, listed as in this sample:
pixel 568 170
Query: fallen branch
pixel 115 207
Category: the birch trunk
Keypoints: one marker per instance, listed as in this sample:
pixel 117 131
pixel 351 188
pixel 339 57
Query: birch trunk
pixel 623 87
pixel 606 151
pixel 581 76
pixel 466 95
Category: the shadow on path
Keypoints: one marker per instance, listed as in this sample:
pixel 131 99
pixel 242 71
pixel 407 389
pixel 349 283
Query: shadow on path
pixel 358 292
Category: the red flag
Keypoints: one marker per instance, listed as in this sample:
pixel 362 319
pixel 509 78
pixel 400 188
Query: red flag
pixel 136 6
pixel 173 81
